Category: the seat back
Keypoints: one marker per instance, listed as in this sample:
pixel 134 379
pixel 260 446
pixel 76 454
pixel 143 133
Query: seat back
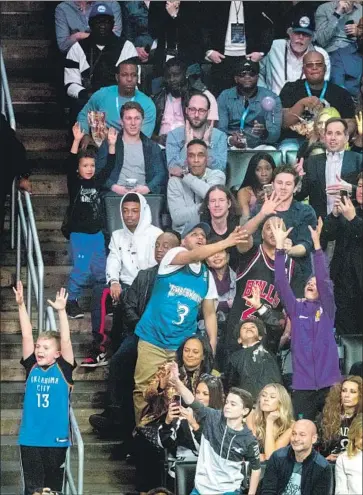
pixel 112 207
pixel 184 477
pixel 237 164
pixel 352 345
pixel 291 157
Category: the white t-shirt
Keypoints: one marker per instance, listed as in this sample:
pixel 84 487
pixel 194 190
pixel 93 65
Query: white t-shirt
pixel 165 268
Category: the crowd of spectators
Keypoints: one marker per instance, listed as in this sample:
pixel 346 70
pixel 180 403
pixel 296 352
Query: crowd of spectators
pixel 205 309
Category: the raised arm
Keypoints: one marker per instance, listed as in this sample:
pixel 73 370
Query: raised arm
pixel 66 345
pixel 281 281
pixel 239 235
pixel 25 324
pixel 323 281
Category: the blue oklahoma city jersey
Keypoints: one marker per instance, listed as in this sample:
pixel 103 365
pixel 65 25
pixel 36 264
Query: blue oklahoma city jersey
pixel 171 314
pixel 45 421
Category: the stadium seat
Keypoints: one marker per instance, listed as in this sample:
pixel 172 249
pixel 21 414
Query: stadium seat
pixel 112 208
pixel 237 164
pixel 184 477
pixel 291 157
pixel 352 348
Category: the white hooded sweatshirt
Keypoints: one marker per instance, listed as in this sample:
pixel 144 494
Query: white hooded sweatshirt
pixel 131 252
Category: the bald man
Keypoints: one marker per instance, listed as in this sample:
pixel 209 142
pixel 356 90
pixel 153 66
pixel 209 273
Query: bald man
pixel 305 97
pixel 298 469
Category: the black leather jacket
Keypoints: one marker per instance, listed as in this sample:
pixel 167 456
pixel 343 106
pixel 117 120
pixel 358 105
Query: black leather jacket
pixel 136 298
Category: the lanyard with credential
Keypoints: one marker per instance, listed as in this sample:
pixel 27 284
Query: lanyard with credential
pixel 286 63
pixel 243 118
pixel 323 91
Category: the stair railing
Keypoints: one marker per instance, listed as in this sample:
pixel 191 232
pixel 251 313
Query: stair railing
pixel 8 110
pixel 28 232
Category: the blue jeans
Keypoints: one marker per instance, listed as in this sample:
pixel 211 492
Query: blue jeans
pixel 89 262
pixel 89 265
pixel 236 492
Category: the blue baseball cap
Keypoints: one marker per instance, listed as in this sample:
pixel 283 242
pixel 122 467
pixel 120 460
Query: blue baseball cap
pixel 101 9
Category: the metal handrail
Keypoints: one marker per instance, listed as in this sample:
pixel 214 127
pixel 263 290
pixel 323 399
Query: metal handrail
pixel 7 106
pixel 28 232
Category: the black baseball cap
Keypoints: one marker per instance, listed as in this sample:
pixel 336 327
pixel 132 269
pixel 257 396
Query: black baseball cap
pixel 189 227
pixel 303 24
pixel 246 65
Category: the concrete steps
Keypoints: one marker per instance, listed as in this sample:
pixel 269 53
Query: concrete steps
pixel 10 322
pixel 44 139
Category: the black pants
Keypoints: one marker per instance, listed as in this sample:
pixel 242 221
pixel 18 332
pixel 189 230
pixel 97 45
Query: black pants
pixel 148 462
pixel 308 403
pixel 121 385
pixel 42 467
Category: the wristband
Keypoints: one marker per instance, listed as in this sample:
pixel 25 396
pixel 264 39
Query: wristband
pixel 114 281
pixel 228 140
pixel 337 15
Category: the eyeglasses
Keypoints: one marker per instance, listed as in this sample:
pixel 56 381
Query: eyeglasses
pixel 312 65
pixel 245 73
pixel 200 111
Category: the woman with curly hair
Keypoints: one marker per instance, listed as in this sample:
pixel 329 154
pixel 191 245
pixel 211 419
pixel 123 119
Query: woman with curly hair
pixel 342 404
pixel 348 468
pixel 221 212
pixel 259 174
pixel 272 420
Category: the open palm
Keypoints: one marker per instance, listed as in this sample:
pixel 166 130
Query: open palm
pixel 60 300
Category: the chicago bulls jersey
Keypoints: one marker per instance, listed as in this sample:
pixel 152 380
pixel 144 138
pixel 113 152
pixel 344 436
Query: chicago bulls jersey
pixel 255 267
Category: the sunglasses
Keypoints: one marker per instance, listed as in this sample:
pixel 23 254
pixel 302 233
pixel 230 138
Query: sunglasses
pixel 312 65
pixel 245 73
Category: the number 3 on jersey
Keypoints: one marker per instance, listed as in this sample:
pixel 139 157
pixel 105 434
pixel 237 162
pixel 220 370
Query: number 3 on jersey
pixel 182 311
pixel 43 400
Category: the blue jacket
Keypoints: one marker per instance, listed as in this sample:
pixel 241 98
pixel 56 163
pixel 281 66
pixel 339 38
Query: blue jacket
pixel 231 108
pixel 316 477
pixel 155 170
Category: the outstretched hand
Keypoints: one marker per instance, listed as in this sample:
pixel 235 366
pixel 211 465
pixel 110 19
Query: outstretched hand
pixel 255 299
pixel 270 204
pixel 359 120
pixel 112 136
pixel 315 233
pixel 60 300
pixel 77 132
pixel 279 232
pixel 19 295
pixel 238 236
pixel 173 374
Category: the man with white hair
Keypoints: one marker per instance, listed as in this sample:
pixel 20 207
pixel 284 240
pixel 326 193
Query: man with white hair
pixel 284 62
pixel 298 468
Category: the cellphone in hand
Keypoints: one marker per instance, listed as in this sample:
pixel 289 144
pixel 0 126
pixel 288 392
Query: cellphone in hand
pixel 176 399
pixel 267 189
pixel 343 194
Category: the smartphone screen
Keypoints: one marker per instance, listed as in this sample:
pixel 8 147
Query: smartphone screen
pixel 176 400
pixel 343 193
pixel 267 189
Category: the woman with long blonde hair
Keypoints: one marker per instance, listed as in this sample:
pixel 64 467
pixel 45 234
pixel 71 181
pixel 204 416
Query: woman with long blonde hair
pixel 343 403
pixel 272 420
pixel 348 468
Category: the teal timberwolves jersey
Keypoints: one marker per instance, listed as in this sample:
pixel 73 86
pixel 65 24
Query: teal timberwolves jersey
pixel 45 421
pixel 171 314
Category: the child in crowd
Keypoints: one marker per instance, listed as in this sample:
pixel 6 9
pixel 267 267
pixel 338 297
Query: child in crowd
pixel 315 361
pixel 45 427
pixel 84 227
pixel 348 468
pixel 226 442
pixel 252 367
